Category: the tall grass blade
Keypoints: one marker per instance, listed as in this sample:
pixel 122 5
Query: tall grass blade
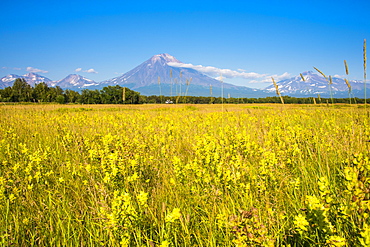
pixel 365 68
pixel 171 82
pixel 124 95
pixel 160 89
pixel 346 67
pixel 321 73
pixel 277 90
pixel 329 80
pixel 180 83
pixel 347 82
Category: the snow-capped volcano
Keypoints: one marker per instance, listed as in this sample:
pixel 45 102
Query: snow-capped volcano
pixel 31 78
pixel 7 81
pixel 75 81
pixel 146 78
pixel 163 59
pixel 70 82
pixel 147 73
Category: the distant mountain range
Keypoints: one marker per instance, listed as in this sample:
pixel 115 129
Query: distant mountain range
pixel 155 76
pixel 31 78
pixel 70 82
pixel 314 84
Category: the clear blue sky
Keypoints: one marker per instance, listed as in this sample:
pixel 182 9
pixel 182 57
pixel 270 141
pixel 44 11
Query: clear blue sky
pixel 112 37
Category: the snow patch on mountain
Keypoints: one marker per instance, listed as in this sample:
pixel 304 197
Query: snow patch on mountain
pixel 30 78
pixel 70 82
pixel 75 81
pixel 313 84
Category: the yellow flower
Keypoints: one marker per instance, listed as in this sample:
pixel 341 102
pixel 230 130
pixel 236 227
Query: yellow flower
pixel 336 241
pixel 133 178
pixel 12 197
pixel 165 243
pixel 142 198
pixel 323 186
pixel 301 223
pixel 314 202
pixel 175 215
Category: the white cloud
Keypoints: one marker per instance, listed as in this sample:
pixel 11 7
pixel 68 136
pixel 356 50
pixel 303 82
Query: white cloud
pixel 91 71
pixel 87 71
pixel 10 68
pixel 34 70
pixel 268 79
pixel 284 76
pixel 227 73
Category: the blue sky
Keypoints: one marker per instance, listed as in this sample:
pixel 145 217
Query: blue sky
pixel 103 39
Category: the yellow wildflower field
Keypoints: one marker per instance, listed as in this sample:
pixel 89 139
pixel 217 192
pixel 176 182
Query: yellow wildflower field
pixel 184 175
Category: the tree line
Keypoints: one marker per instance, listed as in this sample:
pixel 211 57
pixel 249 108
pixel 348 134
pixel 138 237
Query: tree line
pixel 21 91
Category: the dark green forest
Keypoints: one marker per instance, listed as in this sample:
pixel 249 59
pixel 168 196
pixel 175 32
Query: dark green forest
pixel 21 91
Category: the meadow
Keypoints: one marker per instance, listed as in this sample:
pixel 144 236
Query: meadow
pixel 184 175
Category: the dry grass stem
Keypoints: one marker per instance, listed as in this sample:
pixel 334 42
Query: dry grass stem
pixel 348 84
pixel 365 59
pixel 320 72
pixel 365 69
pixel 346 66
pixel 277 90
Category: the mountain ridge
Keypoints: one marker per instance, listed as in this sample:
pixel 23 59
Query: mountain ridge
pixel 31 78
pixel 315 84
pixel 75 81
pixel 156 76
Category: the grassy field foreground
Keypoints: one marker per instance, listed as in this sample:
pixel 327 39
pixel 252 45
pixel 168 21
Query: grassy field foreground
pixel 184 175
